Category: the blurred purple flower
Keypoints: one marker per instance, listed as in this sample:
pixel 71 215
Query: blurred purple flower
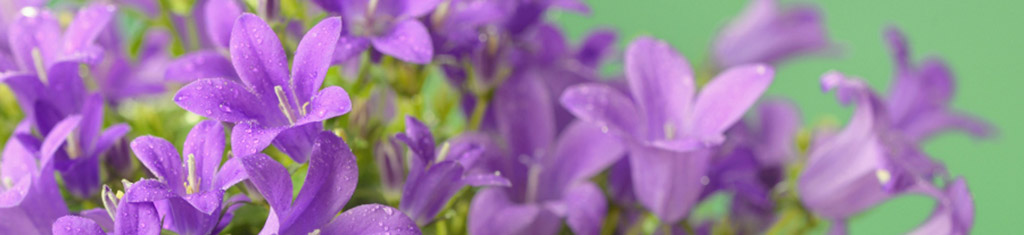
pixel 391 26
pixel 119 78
pixel 548 175
pixel 668 140
pixel 191 186
pixel 330 182
pixel 37 42
pixel 764 33
pixel 30 200
pixel 123 216
pixel 435 175
pixel 954 211
pixel 219 18
pixel 259 59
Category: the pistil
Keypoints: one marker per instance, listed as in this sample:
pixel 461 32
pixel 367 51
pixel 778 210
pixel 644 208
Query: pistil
pixel 284 104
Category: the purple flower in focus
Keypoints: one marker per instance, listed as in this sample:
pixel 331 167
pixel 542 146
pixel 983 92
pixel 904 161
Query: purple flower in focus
pixel 123 216
pixel 549 176
pixel 219 18
pixel 330 182
pixel 190 186
pixel 259 59
pixel 391 26
pixel 666 125
pixel 435 176
pixel 764 33
pixel 30 199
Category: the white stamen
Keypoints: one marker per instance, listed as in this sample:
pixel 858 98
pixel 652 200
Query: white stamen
pixel 670 131
pixel 883 175
pixel 37 61
pixel 29 11
pixel 371 7
pixel 192 184
pixel 315 232
pixel 110 201
pixel 441 155
pixel 284 104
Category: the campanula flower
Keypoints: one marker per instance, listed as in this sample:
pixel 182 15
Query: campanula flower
pixel 768 33
pixel 666 125
pixel 30 199
pixel 123 215
pixel 37 41
pixel 296 104
pixel 218 18
pixel 391 26
pixel 193 184
pixel 329 184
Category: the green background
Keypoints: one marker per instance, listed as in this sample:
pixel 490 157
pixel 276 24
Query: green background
pixel 981 40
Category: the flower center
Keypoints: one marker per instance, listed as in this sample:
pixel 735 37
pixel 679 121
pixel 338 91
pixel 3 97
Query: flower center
pixel 37 61
pixel 192 184
pixel 285 105
pixel 71 146
pixel 371 7
pixel 110 200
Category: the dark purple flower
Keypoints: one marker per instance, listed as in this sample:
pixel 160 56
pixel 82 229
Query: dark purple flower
pixel 548 175
pixel 296 108
pixel 191 184
pixel 666 124
pixel 391 26
pixel 219 18
pixel 435 175
pixel 122 215
pixel 30 199
pixel 764 33
pixel 330 182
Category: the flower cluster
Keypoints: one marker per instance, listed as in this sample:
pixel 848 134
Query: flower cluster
pixel 508 128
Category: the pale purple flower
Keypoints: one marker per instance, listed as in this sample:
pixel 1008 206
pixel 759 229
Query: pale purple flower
pixel 768 33
pixel 269 105
pixel 954 211
pixel 329 184
pixel 37 40
pixel 391 26
pixel 218 18
pixel 666 124
pixel 120 78
pixel 191 186
pixel 30 199
pixel 121 215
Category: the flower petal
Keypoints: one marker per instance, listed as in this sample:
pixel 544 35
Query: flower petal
pixel 230 174
pixel 426 193
pixel 331 180
pixel 220 16
pixel 87 26
pixel 136 218
pixel 372 219
pixel 661 82
pixel 271 179
pixel 198 65
pixel 58 137
pixel 586 208
pixel 417 8
pixel 185 218
pixel 109 136
pixel 297 142
pixel 76 225
pixel 41 31
pixel 233 204
pixel 330 102
pixel 92 121
pixel 206 202
pixel 668 183
pixel 604 106
pixel 249 137
pixel 954 214
pixel 420 141
pixel 221 100
pixel 349 47
pixel 408 41
pixel 582 151
pixel 161 158
pixel 148 190
pixel 100 216
pixel 485 179
pixel 311 60
pixel 206 143
pixel 525 116
pixel 492 211
pixel 259 58
pixel 725 99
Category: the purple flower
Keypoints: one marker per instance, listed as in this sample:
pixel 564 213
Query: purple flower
pixel 666 126
pixel 120 78
pixel 37 41
pixel 30 199
pixel 259 59
pixel 190 186
pixel 330 182
pixel 122 215
pixel 389 25
pixel 954 211
pixel 219 17
pixel 548 175
pixel 920 95
pixel 764 33
pixel 435 176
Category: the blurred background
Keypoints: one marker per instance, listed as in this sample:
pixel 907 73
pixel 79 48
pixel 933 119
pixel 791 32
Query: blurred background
pixel 983 41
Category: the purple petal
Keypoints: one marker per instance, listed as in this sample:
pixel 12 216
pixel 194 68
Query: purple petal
pixel 100 216
pixel 206 143
pixel 184 218
pixel 230 174
pixel 725 99
pixel 954 214
pixel 420 141
pixel 582 151
pixel 76 225
pixel 586 208
pixel 779 121
pixel 65 79
pixel 492 211
pixel 297 142
pixel 596 47
pixel 41 30
pixel 372 219
pixel 330 102
pixel 408 41
pixel 136 218
pixel 331 180
pixel 668 183
pixel 311 62
pixel 271 179
pixel 661 82
pixel 206 202
pixel 426 193
pixel 417 8
pixel 221 100
pixel 86 26
pixel 233 204
pixel 258 57
pixel 148 190
pixel 349 47
pixel 92 121
pixel 763 33
pixel 604 106
pixel 220 16
pixel 485 179
pixel 525 116
pixel 58 137
pixel 161 158
pixel 934 123
pixel 249 138
pixel 200 64
pixel 109 136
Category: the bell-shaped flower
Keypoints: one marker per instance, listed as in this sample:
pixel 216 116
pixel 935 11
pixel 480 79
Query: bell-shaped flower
pixel 269 105
pixel 30 200
pixel 768 33
pixel 191 186
pixel 218 18
pixel 391 26
pixel 954 211
pixel 666 125
pixel 122 217
pixel 329 184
